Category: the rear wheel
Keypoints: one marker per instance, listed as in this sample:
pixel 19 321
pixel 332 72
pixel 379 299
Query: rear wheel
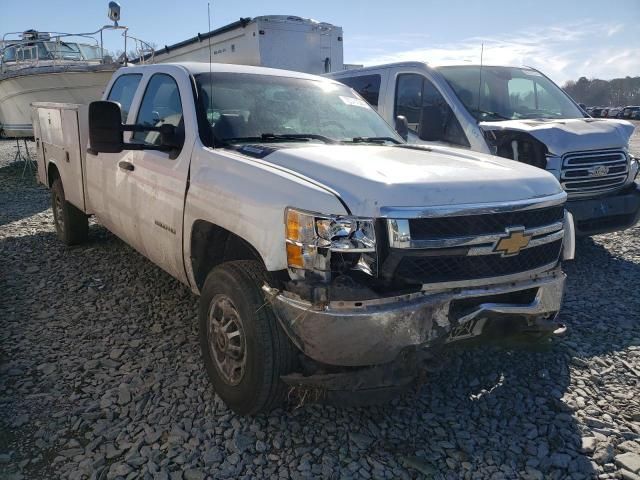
pixel 244 348
pixel 72 225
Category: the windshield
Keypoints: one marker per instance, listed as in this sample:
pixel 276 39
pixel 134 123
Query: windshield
pixel 64 50
pixel 90 52
pixel 242 106
pixel 508 93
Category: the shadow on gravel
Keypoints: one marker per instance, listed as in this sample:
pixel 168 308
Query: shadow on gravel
pixel 601 304
pixel 491 411
pixel 20 197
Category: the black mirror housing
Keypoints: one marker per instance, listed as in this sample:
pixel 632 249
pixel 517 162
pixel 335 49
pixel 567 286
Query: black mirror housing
pixel 402 127
pixel 432 123
pixel 169 137
pixel 105 127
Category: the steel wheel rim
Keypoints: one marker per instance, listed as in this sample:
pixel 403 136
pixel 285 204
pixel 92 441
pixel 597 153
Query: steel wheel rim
pixel 58 212
pixel 226 340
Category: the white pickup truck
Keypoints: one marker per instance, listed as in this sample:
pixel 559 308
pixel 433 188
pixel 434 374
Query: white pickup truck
pixel 515 113
pixel 328 254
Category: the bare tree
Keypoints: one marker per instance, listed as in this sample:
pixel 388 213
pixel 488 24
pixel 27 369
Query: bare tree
pixel 616 92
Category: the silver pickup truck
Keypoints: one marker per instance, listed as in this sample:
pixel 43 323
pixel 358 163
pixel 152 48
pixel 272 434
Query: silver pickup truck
pixel 327 253
pixel 516 113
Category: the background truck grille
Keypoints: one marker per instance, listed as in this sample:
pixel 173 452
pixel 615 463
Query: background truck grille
pixel 593 172
pixel 451 268
pixel 431 228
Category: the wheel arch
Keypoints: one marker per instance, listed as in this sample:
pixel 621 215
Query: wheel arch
pixel 211 245
pixel 52 173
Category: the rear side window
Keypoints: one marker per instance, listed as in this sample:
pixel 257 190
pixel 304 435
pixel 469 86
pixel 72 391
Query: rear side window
pixel 413 92
pixel 123 90
pixel 161 105
pixel 368 86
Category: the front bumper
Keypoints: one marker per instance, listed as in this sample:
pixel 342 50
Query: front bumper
pixel 373 332
pixel 607 214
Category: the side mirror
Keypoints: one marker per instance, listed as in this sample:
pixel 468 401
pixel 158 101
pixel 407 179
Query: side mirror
pixel 582 106
pixel 402 126
pixel 106 131
pixel 105 127
pixel 431 123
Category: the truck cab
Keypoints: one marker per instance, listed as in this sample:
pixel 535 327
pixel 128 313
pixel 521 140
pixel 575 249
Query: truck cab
pixel 516 113
pixel 329 256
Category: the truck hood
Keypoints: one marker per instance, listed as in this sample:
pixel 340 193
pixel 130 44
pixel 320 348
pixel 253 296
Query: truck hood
pixel 370 177
pixel 570 135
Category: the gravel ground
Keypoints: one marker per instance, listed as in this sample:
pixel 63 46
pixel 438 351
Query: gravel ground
pixel 101 377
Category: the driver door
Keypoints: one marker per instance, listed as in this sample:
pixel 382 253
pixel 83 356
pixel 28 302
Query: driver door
pixel 156 184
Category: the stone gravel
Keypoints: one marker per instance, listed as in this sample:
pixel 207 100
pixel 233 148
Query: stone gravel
pixel 101 377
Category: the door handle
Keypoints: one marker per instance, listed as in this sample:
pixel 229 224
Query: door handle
pixel 126 166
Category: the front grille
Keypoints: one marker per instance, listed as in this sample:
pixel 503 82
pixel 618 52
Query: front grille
pixel 595 171
pixel 439 227
pixel 451 268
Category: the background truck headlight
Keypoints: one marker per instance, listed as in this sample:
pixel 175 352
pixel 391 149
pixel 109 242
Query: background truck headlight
pixel 312 238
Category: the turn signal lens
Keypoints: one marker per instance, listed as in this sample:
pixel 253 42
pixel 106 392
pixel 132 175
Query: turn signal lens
pixel 299 226
pixel 294 255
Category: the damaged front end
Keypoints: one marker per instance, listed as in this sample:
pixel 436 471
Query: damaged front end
pixel 415 282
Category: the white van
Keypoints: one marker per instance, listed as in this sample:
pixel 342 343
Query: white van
pixel 516 113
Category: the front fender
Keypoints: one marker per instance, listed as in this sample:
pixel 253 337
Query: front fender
pixel 248 197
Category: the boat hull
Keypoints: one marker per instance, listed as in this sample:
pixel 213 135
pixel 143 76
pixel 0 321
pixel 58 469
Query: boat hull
pixel 17 92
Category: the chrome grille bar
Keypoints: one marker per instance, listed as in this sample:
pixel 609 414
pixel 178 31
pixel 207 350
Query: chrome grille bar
pixel 595 171
pixel 400 237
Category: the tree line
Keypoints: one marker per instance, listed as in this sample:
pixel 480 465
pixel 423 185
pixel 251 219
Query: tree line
pixel 618 92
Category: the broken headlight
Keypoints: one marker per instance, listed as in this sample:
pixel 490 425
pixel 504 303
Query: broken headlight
pixel 312 238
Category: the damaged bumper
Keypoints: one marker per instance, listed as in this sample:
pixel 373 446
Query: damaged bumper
pixel 607 214
pixel 374 332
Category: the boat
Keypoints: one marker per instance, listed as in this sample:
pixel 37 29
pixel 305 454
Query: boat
pixel 40 66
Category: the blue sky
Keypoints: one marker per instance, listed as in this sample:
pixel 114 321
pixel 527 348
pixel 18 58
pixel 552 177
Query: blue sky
pixel 565 39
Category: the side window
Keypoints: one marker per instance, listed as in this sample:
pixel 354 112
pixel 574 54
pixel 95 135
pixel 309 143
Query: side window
pixel 123 91
pixel 413 93
pixel 409 98
pixel 161 105
pixel 368 86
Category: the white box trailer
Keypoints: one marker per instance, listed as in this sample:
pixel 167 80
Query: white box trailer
pixel 276 41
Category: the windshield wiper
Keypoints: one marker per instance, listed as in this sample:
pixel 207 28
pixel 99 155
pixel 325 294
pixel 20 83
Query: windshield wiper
pixel 274 137
pixel 373 140
pixel 493 114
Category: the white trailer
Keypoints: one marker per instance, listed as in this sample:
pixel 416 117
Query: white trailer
pixel 276 41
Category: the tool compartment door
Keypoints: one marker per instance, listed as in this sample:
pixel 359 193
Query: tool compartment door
pixel 59 134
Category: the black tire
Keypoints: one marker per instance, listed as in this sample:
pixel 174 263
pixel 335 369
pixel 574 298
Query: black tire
pixel 72 225
pixel 269 353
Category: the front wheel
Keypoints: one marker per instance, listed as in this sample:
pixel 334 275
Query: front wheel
pixel 244 348
pixel 72 225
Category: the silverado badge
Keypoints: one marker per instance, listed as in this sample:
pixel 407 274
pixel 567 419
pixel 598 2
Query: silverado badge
pixel 514 241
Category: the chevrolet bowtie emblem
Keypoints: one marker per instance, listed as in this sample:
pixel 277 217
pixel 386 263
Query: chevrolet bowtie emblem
pixel 514 241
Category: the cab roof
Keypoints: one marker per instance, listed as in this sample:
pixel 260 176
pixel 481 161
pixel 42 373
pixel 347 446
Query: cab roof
pixel 195 68
pixel 414 64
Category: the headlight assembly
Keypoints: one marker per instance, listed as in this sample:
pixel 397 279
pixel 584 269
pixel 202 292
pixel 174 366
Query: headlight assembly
pixel 311 238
